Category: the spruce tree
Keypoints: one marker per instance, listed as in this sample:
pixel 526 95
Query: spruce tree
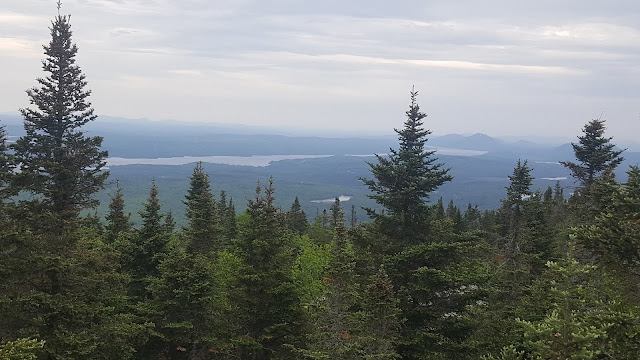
pixel 202 228
pixel 146 249
pixel 335 327
pixel 169 223
pixel 404 179
pixel 270 321
pixel 337 214
pixel 595 154
pixel 517 193
pixel 60 164
pixel 354 218
pixel 117 221
pixel 297 219
pixel 231 228
pixel 381 319
pixel 5 166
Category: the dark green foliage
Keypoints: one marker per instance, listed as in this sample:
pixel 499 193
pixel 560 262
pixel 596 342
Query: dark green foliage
pixel 59 164
pixel 595 155
pixel 144 250
pixel 548 194
pixel 117 221
pixel 440 274
pixel 404 179
pixel 76 302
pixel 613 237
pixel 187 331
pixel 518 193
pixel 226 213
pixel 584 317
pixel 420 282
pixel 337 215
pixel 202 230
pixel 151 215
pixel 297 219
pixel 271 319
pixel 519 189
pixel 6 166
pixel 354 217
pixel 334 323
pixel 381 319
pixel 169 223
pixel 438 210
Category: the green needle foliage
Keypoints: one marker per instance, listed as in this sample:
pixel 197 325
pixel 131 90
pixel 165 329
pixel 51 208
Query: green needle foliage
pixel 404 178
pixel 60 164
pixel 595 154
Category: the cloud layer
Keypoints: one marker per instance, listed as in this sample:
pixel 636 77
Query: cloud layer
pixel 498 67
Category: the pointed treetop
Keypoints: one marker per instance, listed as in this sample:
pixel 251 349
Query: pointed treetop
pixel 59 5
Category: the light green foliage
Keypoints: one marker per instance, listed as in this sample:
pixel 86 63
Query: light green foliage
pixel 571 329
pixel 21 349
pixel 311 266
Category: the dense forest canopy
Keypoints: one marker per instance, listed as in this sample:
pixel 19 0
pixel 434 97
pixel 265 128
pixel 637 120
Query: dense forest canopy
pixel 541 277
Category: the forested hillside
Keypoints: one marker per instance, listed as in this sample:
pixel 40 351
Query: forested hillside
pixel 544 276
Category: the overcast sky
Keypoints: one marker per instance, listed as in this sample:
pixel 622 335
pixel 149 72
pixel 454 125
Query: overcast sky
pixel 543 67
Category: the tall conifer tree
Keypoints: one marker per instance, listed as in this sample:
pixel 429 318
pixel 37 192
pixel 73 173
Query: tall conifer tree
pixel 117 221
pixel 202 228
pixel 59 163
pixel 296 218
pixel 404 179
pixel 270 304
pixel 5 165
pixel 595 154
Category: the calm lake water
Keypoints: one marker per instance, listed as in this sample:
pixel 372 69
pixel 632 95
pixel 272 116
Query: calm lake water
pixel 257 161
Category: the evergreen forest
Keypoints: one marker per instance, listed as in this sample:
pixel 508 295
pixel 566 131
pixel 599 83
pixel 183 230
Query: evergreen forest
pixel 550 274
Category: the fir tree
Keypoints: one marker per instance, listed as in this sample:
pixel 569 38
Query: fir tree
pixel 337 215
pixel 202 228
pixel 548 195
pixel 595 155
pixel 145 251
pixel 117 221
pixel 519 188
pixel 169 223
pixel 59 163
pixel 558 193
pixel 335 325
pixel 297 219
pixel 517 193
pixel 382 319
pixel 187 303
pixel 151 216
pixel 270 321
pixel 6 167
pixel 439 212
pixel 230 227
pixel 354 218
pixel 404 179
